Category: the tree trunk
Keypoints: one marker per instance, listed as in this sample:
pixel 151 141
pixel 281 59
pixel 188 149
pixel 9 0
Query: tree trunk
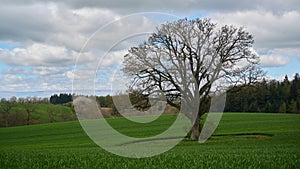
pixel 6 121
pixel 28 118
pixel 5 118
pixel 195 131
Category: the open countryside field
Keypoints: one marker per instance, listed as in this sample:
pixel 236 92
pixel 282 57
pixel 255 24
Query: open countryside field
pixel 242 140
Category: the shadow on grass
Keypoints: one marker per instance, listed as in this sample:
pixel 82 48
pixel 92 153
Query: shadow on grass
pixel 247 136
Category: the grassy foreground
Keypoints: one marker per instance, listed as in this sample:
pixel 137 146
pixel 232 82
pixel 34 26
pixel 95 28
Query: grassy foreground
pixel 242 140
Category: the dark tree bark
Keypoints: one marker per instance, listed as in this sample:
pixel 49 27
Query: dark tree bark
pixel 6 106
pixel 29 108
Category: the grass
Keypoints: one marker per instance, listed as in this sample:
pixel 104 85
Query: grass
pixel 242 140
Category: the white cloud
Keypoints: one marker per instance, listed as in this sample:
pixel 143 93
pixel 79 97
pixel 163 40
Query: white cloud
pixel 290 52
pixel 278 57
pixel 11 82
pixel 130 6
pixel 114 57
pixel 273 60
pixel 270 30
pixel 59 25
pixel 49 71
pixel 53 34
pixel 19 82
pixel 276 35
pixel 46 57
pixel 38 55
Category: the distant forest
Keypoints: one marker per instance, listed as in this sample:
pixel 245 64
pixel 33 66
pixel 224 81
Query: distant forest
pixel 265 96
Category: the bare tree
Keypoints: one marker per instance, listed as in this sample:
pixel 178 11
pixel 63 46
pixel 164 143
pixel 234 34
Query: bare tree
pixel 6 107
pixel 13 99
pixel 248 75
pixel 45 100
pixel 51 113
pixel 29 108
pixel 21 100
pixel 16 119
pixel 188 60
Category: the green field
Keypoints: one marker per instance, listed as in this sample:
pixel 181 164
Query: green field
pixel 242 140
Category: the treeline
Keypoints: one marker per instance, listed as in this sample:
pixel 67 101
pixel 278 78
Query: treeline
pixel 137 99
pixel 26 99
pixel 105 101
pixel 266 96
pixel 62 98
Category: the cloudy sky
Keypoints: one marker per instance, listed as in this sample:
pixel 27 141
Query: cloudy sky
pixel 43 42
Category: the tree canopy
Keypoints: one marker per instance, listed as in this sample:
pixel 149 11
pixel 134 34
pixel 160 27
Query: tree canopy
pixel 61 98
pixel 187 60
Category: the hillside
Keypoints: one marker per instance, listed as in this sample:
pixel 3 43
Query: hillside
pixel 38 113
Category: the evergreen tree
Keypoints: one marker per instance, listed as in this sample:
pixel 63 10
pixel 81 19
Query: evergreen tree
pixel 295 86
pixel 61 99
pixel 268 107
pixel 282 108
pixel 292 108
